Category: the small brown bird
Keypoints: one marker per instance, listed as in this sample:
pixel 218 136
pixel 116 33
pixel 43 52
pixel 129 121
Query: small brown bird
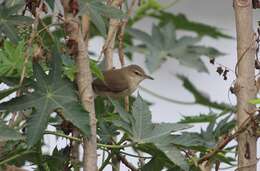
pixel 120 82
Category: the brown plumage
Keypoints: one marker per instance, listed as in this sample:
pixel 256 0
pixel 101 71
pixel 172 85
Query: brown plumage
pixel 120 82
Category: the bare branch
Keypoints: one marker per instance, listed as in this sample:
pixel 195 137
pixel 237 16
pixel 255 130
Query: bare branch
pixel 111 36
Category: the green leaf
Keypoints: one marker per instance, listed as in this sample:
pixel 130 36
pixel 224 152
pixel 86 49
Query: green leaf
pixel 144 132
pixel 95 70
pixel 201 98
pixel 183 23
pixel 98 21
pixel 51 93
pixel 106 10
pixel 174 155
pixel 199 119
pixel 50 3
pixel 6 92
pixel 70 68
pixel 97 9
pixel 7 133
pixel 9 31
pixel 12 60
pixel 58 159
pixel 126 117
pixel 153 165
pixel 189 139
pixel 9 20
pixel 162 44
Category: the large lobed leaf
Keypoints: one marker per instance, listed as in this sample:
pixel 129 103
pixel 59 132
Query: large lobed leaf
pixel 162 43
pixel 51 93
pixel 143 131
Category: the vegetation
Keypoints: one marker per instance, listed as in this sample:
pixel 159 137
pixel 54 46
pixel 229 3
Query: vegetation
pixel 42 46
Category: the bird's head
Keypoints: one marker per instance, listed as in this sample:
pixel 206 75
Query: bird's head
pixel 137 73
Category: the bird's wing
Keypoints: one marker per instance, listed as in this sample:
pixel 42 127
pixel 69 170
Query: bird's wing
pixel 111 83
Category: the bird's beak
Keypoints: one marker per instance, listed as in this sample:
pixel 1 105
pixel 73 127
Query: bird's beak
pixel 148 77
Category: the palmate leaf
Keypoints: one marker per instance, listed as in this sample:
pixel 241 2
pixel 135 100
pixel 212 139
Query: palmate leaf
pixel 143 131
pixel 12 59
pixel 9 20
pixel 166 154
pixel 50 93
pixel 162 44
pixel 97 9
pixel 7 133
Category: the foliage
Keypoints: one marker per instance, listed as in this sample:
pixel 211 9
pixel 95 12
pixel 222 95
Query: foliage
pixel 97 10
pixel 8 133
pixel 12 59
pixel 9 21
pixel 201 98
pixel 47 97
pixel 163 43
pixel 46 100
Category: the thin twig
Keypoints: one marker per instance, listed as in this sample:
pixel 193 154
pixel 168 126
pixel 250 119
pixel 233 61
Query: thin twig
pixel 121 44
pixel 15 157
pixel 114 146
pixel 226 139
pixel 27 54
pixel 111 36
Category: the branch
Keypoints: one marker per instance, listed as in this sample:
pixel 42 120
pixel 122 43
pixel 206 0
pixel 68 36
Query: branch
pixel 114 146
pixel 226 139
pixel 111 36
pixel 27 55
pixel 126 163
pixel 121 52
pixel 15 157
pixel 79 49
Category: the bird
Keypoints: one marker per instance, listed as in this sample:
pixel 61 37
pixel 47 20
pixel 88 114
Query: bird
pixel 120 82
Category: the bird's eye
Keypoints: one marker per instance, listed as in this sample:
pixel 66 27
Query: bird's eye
pixel 137 73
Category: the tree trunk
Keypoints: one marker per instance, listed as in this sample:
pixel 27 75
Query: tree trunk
pixel 79 49
pixel 245 83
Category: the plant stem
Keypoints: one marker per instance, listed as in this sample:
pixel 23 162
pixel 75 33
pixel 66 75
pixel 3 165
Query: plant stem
pixel 98 144
pixel 15 157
